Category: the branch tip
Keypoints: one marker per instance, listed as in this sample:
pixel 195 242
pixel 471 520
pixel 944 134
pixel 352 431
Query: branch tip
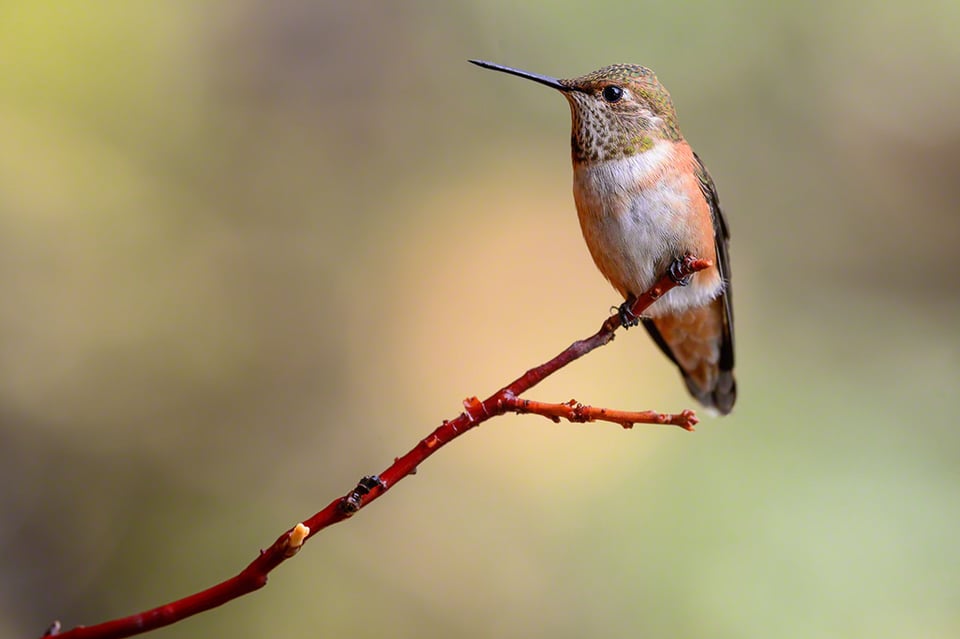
pixel 695 264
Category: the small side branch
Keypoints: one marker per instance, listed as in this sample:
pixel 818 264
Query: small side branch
pixel 574 411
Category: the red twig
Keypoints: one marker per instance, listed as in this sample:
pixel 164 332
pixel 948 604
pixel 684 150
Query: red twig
pixel 574 411
pixel 254 576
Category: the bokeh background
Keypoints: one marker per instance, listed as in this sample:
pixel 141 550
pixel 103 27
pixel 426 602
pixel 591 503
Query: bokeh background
pixel 251 251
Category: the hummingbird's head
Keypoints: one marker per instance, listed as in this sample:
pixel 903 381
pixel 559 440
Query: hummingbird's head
pixel 617 111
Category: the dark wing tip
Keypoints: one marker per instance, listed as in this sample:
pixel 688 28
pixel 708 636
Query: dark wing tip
pixel 724 394
pixel 721 397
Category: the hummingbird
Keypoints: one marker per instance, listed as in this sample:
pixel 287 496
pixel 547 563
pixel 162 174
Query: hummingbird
pixel 645 201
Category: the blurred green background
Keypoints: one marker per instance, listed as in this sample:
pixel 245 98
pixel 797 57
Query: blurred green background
pixel 251 251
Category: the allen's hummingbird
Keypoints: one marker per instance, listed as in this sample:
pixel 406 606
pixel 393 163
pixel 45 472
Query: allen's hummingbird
pixel 645 201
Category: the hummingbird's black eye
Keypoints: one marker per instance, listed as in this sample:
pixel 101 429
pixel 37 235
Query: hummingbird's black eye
pixel 612 93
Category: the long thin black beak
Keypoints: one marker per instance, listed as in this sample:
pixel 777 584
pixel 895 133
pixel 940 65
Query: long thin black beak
pixel 542 79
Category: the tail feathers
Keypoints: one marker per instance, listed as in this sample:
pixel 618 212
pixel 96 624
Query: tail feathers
pixel 700 343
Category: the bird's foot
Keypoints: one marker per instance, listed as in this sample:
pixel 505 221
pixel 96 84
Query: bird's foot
pixel 677 268
pixel 627 318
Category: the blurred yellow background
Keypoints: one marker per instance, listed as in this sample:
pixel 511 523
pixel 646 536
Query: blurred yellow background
pixel 252 251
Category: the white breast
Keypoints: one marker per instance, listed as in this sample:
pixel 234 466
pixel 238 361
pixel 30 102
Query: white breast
pixel 634 213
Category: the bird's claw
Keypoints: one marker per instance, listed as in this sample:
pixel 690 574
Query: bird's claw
pixel 627 317
pixel 677 269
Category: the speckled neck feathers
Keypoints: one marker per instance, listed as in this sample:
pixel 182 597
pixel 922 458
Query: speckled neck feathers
pixel 605 130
